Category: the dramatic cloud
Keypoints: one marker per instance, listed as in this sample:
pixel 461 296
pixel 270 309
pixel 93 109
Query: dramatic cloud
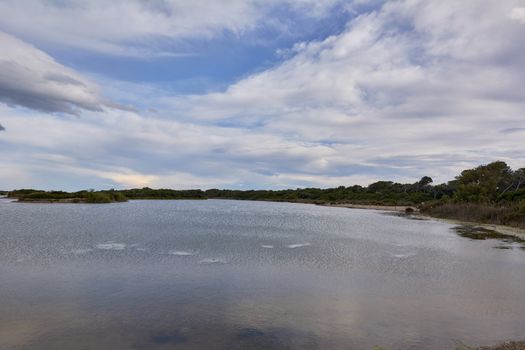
pixel 32 79
pixel 411 88
pixel 141 28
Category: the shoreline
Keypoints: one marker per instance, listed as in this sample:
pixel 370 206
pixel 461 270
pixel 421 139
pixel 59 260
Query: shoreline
pixel 397 208
pixel 413 210
pixel 503 229
pixel 57 201
pixel 513 345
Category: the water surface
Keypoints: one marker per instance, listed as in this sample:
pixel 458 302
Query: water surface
pixel 249 275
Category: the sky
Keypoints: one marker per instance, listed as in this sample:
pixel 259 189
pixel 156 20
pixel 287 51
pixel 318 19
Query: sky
pixel 257 94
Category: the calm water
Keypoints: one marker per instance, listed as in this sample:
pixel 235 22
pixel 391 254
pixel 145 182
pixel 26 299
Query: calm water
pixel 248 275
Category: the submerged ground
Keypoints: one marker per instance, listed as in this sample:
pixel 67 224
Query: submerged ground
pixel 250 275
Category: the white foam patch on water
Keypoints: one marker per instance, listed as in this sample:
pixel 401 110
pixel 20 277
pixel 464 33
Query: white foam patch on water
pixel 82 251
pixel 298 245
pixel 403 256
pixel 180 253
pixel 401 244
pixel 267 246
pixel 212 261
pixel 111 246
pixel 141 249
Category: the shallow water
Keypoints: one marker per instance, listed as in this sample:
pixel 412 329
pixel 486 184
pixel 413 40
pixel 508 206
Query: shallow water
pixel 249 275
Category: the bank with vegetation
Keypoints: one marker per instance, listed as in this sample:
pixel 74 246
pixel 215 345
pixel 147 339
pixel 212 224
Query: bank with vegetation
pixel 37 196
pixel 492 194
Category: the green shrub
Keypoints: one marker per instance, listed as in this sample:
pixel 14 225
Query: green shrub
pixel 97 197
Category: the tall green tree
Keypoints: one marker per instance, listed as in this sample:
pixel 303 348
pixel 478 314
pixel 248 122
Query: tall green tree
pixel 484 183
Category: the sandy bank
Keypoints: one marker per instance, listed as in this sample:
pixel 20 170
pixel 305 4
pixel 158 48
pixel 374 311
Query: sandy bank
pixel 398 208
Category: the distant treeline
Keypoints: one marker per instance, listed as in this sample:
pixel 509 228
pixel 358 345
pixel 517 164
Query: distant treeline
pixel 492 193
pixel 29 195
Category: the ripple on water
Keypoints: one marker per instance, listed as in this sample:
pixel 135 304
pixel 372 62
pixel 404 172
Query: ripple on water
pixel 170 337
pixel 267 246
pixel 211 261
pixel 82 251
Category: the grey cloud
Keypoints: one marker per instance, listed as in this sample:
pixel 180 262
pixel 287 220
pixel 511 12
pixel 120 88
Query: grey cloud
pixel 511 130
pixel 32 79
pixel 63 79
pixel 41 102
pixel 2 127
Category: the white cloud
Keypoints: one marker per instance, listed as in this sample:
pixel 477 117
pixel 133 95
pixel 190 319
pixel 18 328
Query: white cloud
pixel 415 80
pixel 32 79
pixel 518 14
pixel 415 88
pixel 14 176
pixel 141 28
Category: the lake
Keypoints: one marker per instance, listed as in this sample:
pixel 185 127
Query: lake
pixel 219 274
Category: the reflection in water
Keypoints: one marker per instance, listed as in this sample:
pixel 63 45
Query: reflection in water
pixel 248 275
pixel 169 337
pixel 275 338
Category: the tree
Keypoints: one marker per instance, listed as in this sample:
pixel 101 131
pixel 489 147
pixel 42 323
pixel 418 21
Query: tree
pixel 425 180
pixel 484 183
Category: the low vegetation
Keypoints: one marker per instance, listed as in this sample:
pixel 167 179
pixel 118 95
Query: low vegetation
pixel 148 193
pixel 29 195
pixel 519 345
pixel 506 346
pixel 492 193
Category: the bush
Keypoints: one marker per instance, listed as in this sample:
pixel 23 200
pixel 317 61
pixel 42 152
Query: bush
pixel 474 212
pixel 97 197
